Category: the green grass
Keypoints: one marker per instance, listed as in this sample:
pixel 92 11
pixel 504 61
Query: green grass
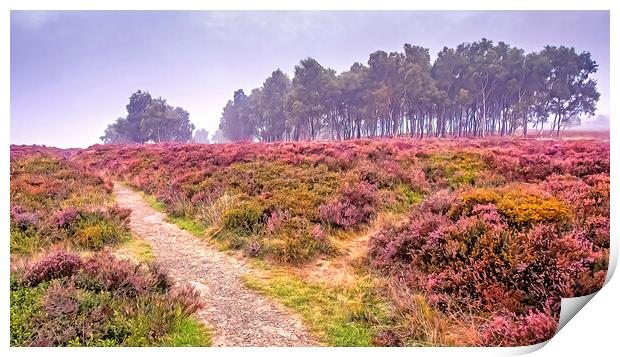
pixel 339 316
pixel 184 223
pixel 187 224
pixel 152 201
pixel 189 333
pixel 139 248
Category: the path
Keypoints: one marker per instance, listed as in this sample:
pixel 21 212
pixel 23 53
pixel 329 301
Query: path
pixel 239 316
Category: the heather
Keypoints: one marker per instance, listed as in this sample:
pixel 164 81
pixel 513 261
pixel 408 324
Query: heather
pixel 67 288
pixel 490 233
pixel 54 202
pixel 62 299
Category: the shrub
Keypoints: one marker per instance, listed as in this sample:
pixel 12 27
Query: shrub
pixel 96 235
pixel 454 169
pixel 102 301
pixel 512 330
pixel 355 205
pixel 520 208
pixel 476 261
pixel 297 240
pixel 24 220
pixel 245 218
pixel 54 265
pixel 66 217
pixel 102 271
pixel 213 213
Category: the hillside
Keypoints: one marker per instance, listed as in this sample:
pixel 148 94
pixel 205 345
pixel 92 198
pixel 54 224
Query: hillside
pixel 385 242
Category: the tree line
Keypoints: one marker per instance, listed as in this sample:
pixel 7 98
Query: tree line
pixel 475 89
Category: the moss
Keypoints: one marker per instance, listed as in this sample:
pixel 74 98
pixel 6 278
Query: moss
pixel 153 202
pixel 188 224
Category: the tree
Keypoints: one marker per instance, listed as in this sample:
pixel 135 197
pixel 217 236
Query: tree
pixel 151 120
pixel 270 104
pixel 201 136
pixel 306 105
pixel 571 90
pixel 218 137
pixel 236 123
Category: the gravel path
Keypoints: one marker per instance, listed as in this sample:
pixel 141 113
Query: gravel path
pixel 238 316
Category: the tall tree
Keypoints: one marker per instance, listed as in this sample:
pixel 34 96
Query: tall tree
pixel 572 91
pixel 271 103
pixel 236 123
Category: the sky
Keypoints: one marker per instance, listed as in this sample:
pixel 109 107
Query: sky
pixel 72 72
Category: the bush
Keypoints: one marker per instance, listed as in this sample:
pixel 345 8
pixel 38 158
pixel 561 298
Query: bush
pixel 55 265
pixel 96 235
pixel 245 219
pixel 520 209
pixel 296 240
pixel 512 330
pixel 60 300
pixel 356 204
pixel 476 261
pixel 66 217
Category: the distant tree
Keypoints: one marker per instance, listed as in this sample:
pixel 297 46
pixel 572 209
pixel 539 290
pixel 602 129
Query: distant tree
pixel 571 90
pixel 306 105
pixel 201 136
pixel 147 120
pixel 219 138
pixel 118 132
pixel 269 104
pixel 236 123
pixel 136 112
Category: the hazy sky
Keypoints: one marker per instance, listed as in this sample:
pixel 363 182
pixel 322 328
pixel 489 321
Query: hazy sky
pixel 72 72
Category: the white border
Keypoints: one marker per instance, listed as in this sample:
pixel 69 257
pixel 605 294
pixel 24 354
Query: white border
pixel 592 331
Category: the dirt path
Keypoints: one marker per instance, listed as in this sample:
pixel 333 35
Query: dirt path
pixel 239 316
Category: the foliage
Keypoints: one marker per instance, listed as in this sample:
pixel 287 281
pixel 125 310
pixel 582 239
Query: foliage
pixel 64 300
pixel 84 296
pixel 53 201
pixel 475 89
pixel 149 119
pixel 356 204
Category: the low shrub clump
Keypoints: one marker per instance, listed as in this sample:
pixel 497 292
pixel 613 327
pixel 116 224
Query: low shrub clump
pixel 356 204
pixel 62 299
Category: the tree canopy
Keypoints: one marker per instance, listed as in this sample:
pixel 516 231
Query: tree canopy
pixel 149 120
pixel 476 89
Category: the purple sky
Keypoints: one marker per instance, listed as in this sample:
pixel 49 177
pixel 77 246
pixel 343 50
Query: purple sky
pixel 72 72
